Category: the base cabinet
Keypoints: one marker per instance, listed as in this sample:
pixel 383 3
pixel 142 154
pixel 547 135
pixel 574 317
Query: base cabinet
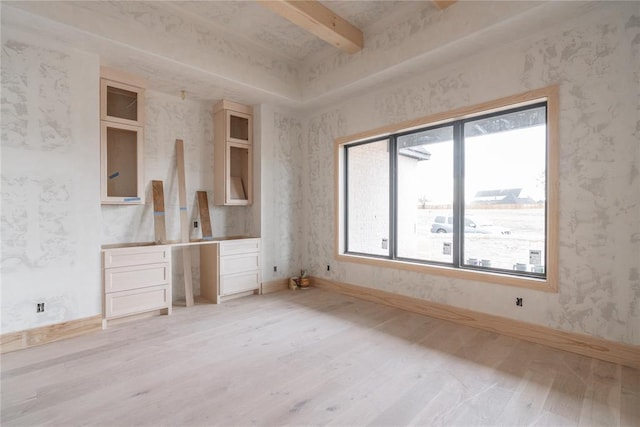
pixel 136 280
pixel 230 268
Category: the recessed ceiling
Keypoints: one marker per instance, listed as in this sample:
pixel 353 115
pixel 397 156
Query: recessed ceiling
pixel 264 28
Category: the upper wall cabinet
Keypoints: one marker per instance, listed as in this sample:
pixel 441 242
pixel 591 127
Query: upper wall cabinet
pixel 121 137
pixel 121 103
pixel 233 154
pixel 238 126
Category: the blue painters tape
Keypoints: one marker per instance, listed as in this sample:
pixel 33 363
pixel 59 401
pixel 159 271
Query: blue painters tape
pixel 131 199
pixel 114 175
pixel 207 238
pixel 183 209
pixel 158 213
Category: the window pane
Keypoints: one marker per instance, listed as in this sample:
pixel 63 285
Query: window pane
pixel 425 195
pixel 368 198
pixel 505 191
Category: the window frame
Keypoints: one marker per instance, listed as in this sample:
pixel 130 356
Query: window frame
pixel 528 99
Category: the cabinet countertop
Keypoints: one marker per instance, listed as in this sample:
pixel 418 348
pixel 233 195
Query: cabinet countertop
pixel 176 243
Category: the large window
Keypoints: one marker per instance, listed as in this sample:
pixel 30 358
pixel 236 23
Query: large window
pixel 469 195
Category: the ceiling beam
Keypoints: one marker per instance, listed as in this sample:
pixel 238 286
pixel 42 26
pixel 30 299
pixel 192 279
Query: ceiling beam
pixel 320 21
pixel 443 4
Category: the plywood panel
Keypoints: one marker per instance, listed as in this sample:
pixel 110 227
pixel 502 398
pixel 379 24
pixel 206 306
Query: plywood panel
pixel 158 212
pixel 205 218
pixel 184 223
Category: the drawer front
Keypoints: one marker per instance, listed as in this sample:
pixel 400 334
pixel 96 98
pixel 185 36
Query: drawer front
pixel 137 301
pixel 141 276
pixel 232 284
pixel 240 246
pixel 239 264
pixel 136 256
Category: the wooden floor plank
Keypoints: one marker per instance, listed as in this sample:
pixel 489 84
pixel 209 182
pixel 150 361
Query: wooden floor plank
pixel 630 397
pixel 312 357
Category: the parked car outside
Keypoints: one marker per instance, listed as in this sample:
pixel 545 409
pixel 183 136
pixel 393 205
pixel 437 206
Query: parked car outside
pixel 442 224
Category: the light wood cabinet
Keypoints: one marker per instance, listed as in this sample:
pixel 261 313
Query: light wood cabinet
pixel 233 154
pixel 136 280
pixel 121 138
pixel 230 268
pixel 120 102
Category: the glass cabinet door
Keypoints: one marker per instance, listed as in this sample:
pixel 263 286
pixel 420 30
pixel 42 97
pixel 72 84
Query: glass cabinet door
pixel 239 127
pixel 121 103
pixel 121 164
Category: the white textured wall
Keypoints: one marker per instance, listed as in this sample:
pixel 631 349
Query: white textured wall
pixel 50 183
pixel 594 58
pixel 282 167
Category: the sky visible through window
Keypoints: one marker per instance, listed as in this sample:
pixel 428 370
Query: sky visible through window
pixel 520 155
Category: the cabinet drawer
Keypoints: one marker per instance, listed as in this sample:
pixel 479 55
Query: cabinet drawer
pixel 232 284
pixel 239 264
pixel 136 256
pixel 137 301
pixel 240 246
pixel 135 277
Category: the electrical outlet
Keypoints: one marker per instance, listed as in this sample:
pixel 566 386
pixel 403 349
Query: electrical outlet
pixel 328 267
pixel 195 224
pixel 40 307
pixel 275 268
pixel 519 302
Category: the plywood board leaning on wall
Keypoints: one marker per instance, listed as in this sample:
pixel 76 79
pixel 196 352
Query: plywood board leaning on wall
pixel 184 223
pixel 158 212
pixel 205 219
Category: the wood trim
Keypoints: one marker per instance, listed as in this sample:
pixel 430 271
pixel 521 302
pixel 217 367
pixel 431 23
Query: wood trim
pixel 19 340
pixel 553 186
pixel 320 21
pixel 225 104
pixel 275 286
pixel 550 284
pixel 107 323
pixel 457 273
pixel 122 77
pixel 443 4
pixel 597 348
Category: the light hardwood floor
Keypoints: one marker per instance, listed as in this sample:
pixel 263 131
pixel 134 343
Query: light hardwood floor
pixel 309 357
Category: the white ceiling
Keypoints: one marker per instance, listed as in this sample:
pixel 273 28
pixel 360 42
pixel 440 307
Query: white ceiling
pixel 242 51
pixel 267 30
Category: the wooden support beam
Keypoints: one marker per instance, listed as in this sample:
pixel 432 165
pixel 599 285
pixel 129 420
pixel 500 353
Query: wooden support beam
pixel 184 223
pixel 320 21
pixel 443 4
